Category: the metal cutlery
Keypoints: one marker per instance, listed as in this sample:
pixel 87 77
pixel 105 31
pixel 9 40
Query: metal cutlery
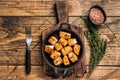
pixel 28 52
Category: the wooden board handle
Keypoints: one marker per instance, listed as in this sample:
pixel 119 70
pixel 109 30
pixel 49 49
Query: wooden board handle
pixel 62 10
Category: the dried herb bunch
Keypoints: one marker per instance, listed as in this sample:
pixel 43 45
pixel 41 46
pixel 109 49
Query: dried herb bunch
pixel 97 46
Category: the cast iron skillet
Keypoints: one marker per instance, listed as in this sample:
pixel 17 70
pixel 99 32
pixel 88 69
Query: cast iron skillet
pixel 61 69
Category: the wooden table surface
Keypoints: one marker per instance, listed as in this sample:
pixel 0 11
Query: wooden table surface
pixel 40 14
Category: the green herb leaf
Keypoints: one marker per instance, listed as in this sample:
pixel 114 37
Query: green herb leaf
pixel 97 46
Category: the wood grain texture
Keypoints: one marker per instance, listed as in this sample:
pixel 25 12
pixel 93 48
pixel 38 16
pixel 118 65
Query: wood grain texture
pixel 100 73
pixel 39 24
pixel 46 8
pixel 40 15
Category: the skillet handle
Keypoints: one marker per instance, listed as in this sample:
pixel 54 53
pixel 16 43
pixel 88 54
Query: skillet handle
pixel 61 72
pixel 65 23
pixel 62 10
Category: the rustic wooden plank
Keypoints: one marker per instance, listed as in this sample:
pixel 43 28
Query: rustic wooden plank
pixel 61 0
pixel 25 0
pixel 44 24
pixel 46 8
pixel 19 73
pixel 80 8
pixel 40 24
pixel 34 0
pixel 77 7
pixel 12 58
pixel 27 8
pixel 79 22
pixel 112 56
pixel 101 73
pixel 37 21
pixel 20 43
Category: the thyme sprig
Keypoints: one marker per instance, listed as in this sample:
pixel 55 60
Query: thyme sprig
pixel 97 46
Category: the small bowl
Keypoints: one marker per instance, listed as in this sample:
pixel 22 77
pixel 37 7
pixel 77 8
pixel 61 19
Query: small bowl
pixel 103 12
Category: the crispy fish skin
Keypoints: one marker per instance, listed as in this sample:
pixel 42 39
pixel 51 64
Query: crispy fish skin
pixel 66 50
pixel 57 61
pixel 72 41
pixel 63 41
pixel 72 57
pixel 64 35
pixel 76 49
pixel 66 61
pixel 52 40
pixel 49 48
pixel 58 46
pixel 55 54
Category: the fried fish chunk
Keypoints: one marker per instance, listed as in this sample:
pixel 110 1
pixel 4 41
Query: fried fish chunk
pixel 76 49
pixel 66 50
pixel 72 41
pixel 57 61
pixel 58 46
pixel 66 61
pixel 49 48
pixel 63 41
pixel 55 54
pixel 64 35
pixel 72 57
pixel 52 40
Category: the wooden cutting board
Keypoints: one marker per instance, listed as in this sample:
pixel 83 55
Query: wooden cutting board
pixel 80 69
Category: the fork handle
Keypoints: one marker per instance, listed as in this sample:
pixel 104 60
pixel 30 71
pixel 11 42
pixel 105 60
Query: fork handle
pixel 28 62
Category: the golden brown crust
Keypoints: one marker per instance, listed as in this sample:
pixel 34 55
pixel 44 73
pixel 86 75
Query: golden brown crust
pixel 58 46
pixel 76 49
pixel 49 48
pixel 57 61
pixel 72 41
pixel 52 40
pixel 72 57
pixel 64 35
pixel 55 54
pixel 66 60
pixel 63 41
pixel 66 50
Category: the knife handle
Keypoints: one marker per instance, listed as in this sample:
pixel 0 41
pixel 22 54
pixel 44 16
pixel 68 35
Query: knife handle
pixel 28 62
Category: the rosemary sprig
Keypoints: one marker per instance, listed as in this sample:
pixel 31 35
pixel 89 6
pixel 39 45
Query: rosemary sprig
pixel 97 46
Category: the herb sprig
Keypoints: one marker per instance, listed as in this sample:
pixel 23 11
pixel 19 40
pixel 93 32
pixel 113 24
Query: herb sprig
pixel 97 46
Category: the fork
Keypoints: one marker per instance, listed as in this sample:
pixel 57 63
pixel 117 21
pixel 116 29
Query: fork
pixel 28 52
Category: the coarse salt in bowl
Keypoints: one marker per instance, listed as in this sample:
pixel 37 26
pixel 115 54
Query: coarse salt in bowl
pixel 97 15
